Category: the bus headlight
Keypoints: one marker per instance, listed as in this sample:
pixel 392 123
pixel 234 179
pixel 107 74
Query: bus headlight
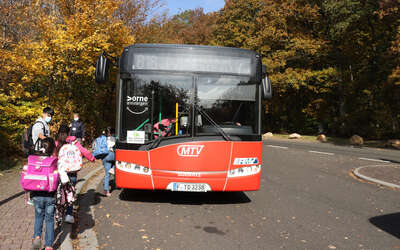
pixel 244 171
pixel 132 168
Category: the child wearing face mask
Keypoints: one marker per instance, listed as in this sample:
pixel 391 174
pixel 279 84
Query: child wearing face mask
pixel 41 131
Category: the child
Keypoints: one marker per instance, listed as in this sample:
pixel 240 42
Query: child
pixel 44 207
pixel 109 160
pixel 63 138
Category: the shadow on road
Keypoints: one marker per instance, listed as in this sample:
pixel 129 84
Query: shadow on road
pixel 186 198
pixel 389 223
pixel 12 197
pixel 85 219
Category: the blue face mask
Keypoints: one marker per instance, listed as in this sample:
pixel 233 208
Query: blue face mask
pixel 47 119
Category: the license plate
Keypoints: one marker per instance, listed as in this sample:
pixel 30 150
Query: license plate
pixel 190 187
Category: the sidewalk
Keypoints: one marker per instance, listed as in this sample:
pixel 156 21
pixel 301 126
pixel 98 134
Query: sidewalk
pixel 16 218
pixel 387 175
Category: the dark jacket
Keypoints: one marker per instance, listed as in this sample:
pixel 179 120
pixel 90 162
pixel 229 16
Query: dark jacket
pixel 77 129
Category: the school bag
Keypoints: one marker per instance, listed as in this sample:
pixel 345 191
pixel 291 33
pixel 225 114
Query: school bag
pixel 70 158
pixel 100 148
pixel 65 197
pixel 40 174
pixel 27 145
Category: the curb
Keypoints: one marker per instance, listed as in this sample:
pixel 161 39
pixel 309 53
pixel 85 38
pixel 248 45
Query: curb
pixel 67 228
pixel 380 182
pixel 88 238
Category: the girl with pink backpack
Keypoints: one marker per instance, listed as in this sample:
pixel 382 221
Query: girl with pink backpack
pixel 69 152
pixel 44 201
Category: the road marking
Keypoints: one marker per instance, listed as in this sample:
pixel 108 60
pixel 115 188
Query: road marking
pixel 273 146
pixel 376 160
pixel 322 153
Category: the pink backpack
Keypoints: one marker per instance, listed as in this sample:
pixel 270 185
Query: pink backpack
pixel 70 158
pixel 40 174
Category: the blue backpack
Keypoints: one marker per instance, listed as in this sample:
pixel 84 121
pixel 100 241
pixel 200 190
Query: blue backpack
pixel 100 148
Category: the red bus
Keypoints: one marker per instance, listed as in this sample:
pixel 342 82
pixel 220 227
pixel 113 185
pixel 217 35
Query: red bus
pixel 188 117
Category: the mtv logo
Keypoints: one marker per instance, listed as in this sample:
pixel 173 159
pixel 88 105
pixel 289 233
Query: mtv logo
pixel 189 150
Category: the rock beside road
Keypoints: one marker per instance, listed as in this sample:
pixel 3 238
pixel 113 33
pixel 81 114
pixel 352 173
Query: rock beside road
pixel 267 135
pixel 322 138
pixel 393 144
pixel 356 140
pixel 294 136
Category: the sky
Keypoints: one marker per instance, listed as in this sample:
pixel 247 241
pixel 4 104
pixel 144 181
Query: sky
pixel 176 6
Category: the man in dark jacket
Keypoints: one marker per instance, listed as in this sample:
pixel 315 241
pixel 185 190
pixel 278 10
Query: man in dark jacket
pixel 77 128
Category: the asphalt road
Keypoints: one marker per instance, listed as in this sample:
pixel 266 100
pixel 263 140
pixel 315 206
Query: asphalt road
pixel 307 200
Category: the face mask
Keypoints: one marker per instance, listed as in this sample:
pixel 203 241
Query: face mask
pixel 47 119
pixel 76 119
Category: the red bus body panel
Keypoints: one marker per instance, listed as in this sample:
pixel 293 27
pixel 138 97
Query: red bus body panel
pixel 192 162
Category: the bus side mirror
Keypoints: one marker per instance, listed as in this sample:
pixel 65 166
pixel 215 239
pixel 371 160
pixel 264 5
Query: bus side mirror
pixel 102 67
pixel 266 88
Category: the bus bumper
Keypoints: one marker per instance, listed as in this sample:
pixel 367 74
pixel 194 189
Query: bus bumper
pixel 159 180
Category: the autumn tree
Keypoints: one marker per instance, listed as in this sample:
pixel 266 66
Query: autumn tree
pixel 188 27
pixel 284 33
pixel 56 65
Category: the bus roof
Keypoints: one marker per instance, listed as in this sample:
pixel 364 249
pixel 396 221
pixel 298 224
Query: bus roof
pixel 189 47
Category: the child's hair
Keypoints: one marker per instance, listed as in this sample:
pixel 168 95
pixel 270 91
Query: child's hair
pixel 109 131
pixel 62 135
pixel 48 146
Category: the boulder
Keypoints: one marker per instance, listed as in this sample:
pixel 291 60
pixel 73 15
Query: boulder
pixel 294 136
pixel 267 135
pixel 322 138
pixel 393 144
pixel 356 140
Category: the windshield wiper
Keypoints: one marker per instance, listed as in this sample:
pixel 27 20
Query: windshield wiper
pixel 220 130
pixel 155 143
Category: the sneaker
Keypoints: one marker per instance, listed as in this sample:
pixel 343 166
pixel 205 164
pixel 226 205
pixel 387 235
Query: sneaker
pixel 112 171
pixel 69 219
pixel 30 202
pixel 36 244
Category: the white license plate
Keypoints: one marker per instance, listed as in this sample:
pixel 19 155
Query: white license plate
pixel 190 187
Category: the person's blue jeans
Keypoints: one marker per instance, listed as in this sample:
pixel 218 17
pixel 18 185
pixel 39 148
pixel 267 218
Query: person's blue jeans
pixel 73 178
pixel 108 163
pixel 44 211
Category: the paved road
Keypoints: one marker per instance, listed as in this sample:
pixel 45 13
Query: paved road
pixel 307 200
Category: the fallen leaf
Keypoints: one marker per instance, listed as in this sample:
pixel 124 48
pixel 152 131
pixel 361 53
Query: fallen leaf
pixel 331 247
pixel 145 237
pixel 108 216
pixel 142 230
pixel 117 224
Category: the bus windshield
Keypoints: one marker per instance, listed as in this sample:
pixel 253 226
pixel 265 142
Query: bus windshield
pixel 230 101
pixel 149 103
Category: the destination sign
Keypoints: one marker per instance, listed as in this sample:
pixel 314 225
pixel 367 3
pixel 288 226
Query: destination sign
pixel 194 63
